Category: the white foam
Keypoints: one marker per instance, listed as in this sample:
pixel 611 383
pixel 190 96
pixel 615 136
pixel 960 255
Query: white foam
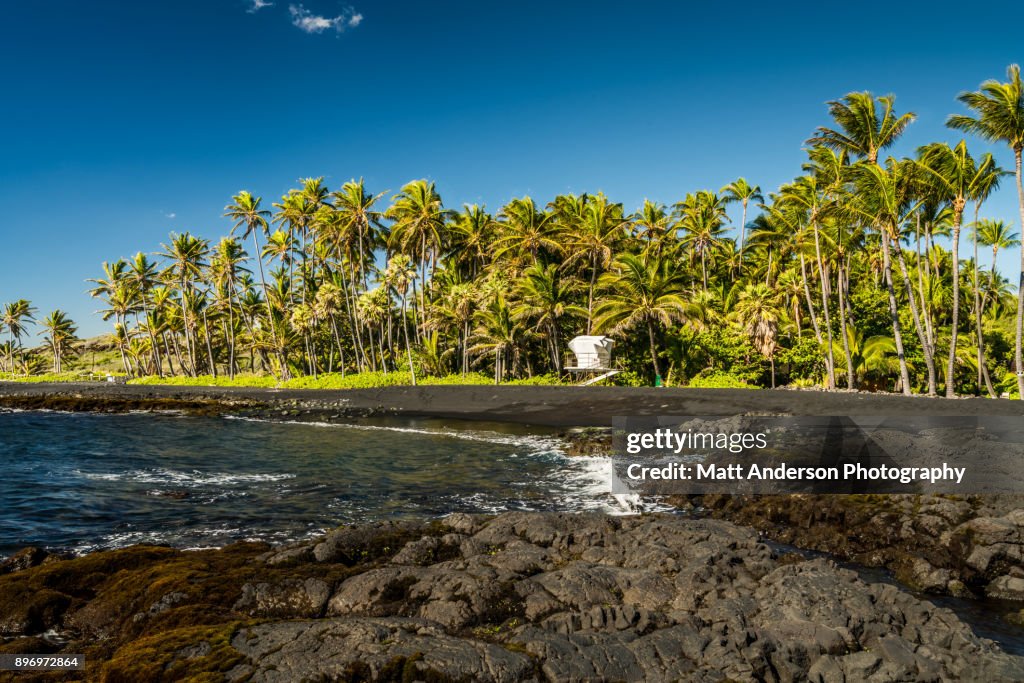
pixel 195 478
pixel 533 441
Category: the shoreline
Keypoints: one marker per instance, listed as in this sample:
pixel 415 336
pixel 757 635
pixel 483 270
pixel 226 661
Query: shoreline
pixel 513 597
pixel 547 406
pixel 330 586
pixel 964 546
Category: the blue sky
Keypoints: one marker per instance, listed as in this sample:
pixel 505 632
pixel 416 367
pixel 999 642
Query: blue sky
pixel 123 121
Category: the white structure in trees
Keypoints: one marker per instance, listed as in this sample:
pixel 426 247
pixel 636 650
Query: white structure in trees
pixel 592 353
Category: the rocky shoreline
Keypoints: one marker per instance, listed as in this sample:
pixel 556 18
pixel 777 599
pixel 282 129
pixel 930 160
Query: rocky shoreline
pixel 968 546
pixel 542 597
pixel 517 597
pixel 965 546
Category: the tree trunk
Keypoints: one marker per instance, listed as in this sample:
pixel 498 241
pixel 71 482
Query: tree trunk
pixel 209 348
pixel 843 329
pixel 951 362
pixel 350 306
pixel 895 315
pixel 170 356
pixel 926 347
pixel 983 375
pixel 555 342
pixel 270 312
pixel 337 340
pixel 152 338
pixel 654 350
pixel 743 235
pixel 925 308
pixel 231 338
pixel 590 295
pixel 408 347
pixel 188 338
pixel 810 310
pixel 825 307
pixel 1018 357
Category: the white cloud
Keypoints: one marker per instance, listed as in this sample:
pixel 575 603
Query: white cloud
pixel 171 215
pixel 305 20
pixel 257 5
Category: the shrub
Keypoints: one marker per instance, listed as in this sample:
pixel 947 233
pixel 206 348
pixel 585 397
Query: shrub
pixel 359 380
pixel 208 381
pixel 79 376
pixel 536 380
pixel 629 378
pixel 719 380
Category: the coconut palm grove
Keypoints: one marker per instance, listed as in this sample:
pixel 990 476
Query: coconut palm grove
pixel 844 278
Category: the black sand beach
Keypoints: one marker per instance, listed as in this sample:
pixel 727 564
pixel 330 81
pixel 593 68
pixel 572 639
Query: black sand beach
pixel 556 406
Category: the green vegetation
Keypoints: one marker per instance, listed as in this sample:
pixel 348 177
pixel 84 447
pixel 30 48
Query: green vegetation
pixel 78 376
pixel 362 380
pixel 849 276
pixel 719 380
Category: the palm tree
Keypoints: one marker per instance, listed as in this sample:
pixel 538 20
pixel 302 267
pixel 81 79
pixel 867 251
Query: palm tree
pixel 247 214
pixel 757 314
pixel 225 269
pixel 702 217
pixel 143 275
pixel 119 291
pixel 597 233
pixel 419 226
pixel 547 299
pixel 643 293
pixel 399 275
pixel 998 110
pixel 808 199
pixel 998 235
pixel 187 254
pixel 741 191
pixel 60 335
pixel 654 225
pixel 984 184
pixel 524 229
pixel 883 198
pixel 499 331
pixel 862 132
pixel 355 207
pixel 952 172
pixel 472 238
pixel 15 317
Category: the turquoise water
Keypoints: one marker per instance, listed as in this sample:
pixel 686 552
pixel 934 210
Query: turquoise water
pixel 81 482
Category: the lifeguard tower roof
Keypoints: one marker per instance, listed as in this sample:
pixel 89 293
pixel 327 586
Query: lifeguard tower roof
pixel 592 352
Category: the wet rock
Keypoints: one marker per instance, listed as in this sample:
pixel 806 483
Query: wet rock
pixel 289 554
pixel 516 597
pixel 587 441
pixel 288 598
pixel 354 544
pixel 462 523
pixel 371 649
pixel 1007 588
pixel 23 559
pixel 921 575
pixel 938 544
pixel 175 494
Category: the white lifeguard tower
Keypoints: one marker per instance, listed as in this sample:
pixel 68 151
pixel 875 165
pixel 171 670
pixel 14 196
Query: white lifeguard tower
pixel 593 354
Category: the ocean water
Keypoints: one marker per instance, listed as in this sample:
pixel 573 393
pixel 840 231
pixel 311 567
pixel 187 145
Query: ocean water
pixel 82 482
